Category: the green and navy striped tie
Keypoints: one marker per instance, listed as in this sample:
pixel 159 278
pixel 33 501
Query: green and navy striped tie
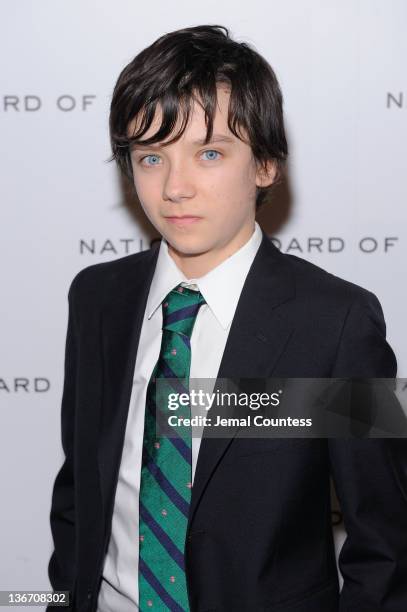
pixel 166 474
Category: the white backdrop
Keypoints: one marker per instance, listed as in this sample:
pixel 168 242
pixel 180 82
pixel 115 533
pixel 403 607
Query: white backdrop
pixel 341 65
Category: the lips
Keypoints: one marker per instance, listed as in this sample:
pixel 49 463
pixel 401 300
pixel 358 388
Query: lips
pixel 183 220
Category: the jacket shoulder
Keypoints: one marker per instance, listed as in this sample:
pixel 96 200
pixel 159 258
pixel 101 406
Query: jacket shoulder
pixel 323 284
pixel 325 297
pixel 97 278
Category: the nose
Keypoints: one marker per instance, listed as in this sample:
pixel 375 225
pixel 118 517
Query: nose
pixel 177 185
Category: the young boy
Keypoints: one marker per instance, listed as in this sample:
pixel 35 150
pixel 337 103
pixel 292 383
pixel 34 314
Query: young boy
pixel 141 521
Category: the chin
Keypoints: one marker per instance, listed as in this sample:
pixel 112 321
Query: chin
pixel 189 245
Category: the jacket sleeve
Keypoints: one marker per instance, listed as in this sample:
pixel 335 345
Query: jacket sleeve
pixel 62 565
pixel 370 477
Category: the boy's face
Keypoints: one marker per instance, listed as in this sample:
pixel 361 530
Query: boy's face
pixel 213 187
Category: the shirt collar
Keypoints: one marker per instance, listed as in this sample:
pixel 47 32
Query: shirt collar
pixel 221 287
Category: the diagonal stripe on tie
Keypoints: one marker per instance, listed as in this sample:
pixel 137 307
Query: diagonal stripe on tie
pixel 171 492
pixel 173 436
pixel 166 371
pixel 172 512
pixel 181 314
pixel 158 589
pixel 162 537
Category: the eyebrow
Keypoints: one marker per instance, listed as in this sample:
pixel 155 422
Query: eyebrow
pixel 200 141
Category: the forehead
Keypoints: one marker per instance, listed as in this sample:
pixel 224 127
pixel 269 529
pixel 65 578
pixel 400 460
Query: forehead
pixel 196 127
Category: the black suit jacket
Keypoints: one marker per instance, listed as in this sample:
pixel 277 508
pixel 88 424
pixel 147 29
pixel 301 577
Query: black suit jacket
pixel 259 533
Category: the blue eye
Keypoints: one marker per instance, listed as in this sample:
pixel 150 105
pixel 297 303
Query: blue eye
pixel 152 156
pixel 211 151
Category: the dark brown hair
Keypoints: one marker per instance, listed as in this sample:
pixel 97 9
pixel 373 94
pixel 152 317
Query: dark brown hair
pixel 180 65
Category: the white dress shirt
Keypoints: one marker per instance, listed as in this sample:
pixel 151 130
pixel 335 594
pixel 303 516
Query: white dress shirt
pixel 221 289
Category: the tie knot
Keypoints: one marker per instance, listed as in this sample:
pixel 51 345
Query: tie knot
pixel 180 309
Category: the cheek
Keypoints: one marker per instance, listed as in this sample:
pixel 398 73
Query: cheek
pixel 142 185
pixel 237 181
pixel 146 204
pixel 146 192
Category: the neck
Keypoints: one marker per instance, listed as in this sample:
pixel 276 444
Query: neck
pixel 197 265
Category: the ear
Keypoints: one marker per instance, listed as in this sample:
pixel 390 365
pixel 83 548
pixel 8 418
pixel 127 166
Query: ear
pixel 266 176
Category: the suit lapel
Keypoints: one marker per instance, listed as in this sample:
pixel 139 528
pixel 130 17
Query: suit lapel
pixel 257 339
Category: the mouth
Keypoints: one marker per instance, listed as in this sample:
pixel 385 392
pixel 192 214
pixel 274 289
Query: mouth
pixel 183 220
